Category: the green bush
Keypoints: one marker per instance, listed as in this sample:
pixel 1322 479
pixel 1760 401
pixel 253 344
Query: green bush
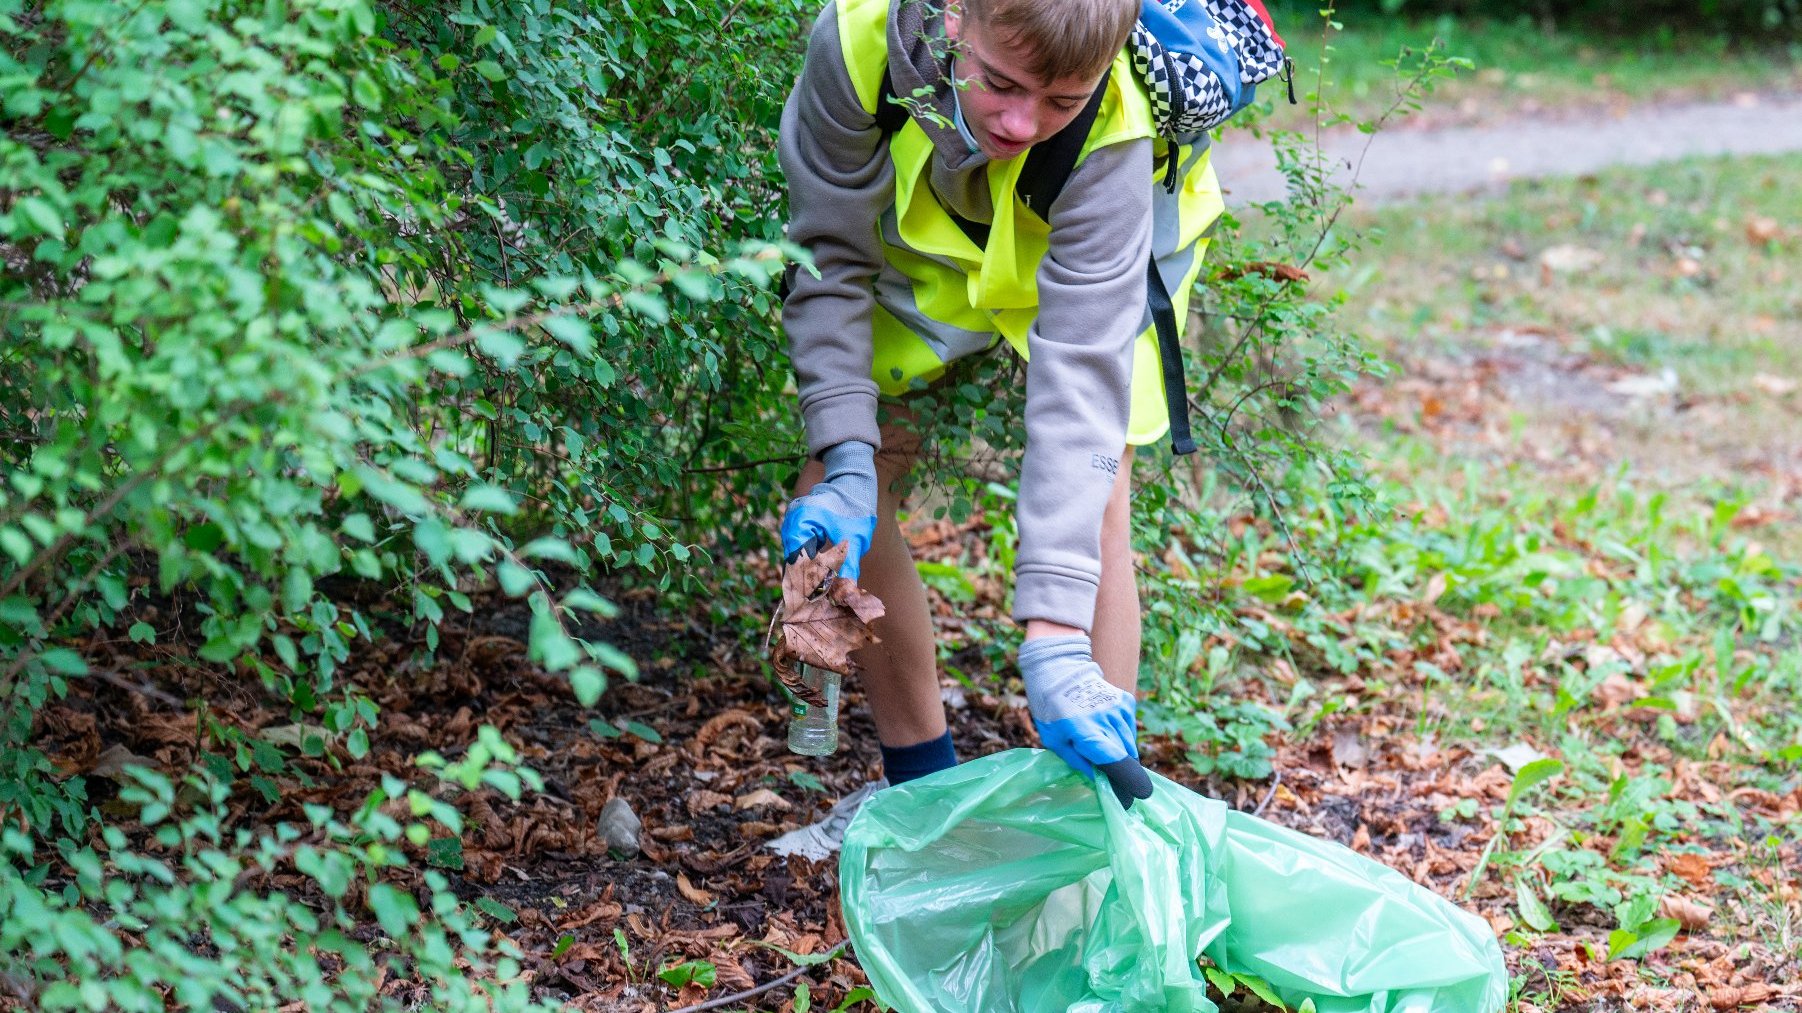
pixel 333 291
pixel 188 917
pixel 320 316
pixel 300 295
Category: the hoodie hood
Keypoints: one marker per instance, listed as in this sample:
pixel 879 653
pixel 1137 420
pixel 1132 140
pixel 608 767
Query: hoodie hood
pixel 919 62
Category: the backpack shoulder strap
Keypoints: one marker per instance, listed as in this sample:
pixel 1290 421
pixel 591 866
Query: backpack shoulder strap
pixel 891 116
pixel 1049 163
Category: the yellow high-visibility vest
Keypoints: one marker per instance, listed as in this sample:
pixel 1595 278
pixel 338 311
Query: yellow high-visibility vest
pixel 940 296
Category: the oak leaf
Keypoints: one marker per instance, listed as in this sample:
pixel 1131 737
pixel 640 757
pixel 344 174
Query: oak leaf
pixel 824 618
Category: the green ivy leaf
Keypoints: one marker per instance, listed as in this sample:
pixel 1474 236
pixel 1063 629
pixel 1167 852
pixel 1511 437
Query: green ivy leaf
pixel 366 92
pixel 445 852
pixel 1532 775
pixel 496 910
pixel 1221 980
pixel 1260 988
pixel 394 910
pixel 643 731
pixel 38 212
pixel 698 972
pixel 489 498
pixel 64 661
pixel 588 683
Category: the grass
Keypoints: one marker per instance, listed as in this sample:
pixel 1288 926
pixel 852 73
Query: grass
pixel 1520 69
pixel 1570 555
pixel 1575 304
pixel 1629 552
pixel 1647 646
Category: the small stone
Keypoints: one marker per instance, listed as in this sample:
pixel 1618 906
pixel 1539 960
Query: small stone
pixel 620 826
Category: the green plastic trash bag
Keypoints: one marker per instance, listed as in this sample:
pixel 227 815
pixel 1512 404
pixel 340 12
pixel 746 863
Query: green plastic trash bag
pixel 1013 883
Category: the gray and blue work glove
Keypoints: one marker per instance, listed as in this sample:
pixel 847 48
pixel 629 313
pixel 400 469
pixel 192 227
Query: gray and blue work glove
pixel 841 508
pixel 1084 719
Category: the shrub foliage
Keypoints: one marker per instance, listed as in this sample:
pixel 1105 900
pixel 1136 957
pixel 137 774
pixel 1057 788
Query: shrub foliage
pixel 319 316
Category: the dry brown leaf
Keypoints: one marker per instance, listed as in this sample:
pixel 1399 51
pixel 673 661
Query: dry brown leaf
pixel 693 894
pixel 824 619
pixel 719 723
pixel 1694 914
pixel 1734 996
pixel 111 764
pixel 701 800
pixel 1692 868
pixel 760 797
pixel 1269 269
pixel 1761 230
pixel 605 911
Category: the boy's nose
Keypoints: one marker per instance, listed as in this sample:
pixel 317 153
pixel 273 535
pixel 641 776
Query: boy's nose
pixel 1019 122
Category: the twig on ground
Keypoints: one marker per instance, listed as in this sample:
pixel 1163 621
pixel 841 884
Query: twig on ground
pixel 1276 781
pixel 138 687
pixel 727 1000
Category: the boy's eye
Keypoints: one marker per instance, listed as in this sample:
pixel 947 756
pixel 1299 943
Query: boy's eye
pixel 1063 105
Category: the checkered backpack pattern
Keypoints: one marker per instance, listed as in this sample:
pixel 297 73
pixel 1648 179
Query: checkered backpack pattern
pixel 1202 60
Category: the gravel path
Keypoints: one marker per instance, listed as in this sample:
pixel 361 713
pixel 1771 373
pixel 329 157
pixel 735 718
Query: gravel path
pixel 1404 163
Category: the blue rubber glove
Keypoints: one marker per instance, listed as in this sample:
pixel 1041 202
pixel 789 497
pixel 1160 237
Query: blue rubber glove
pixel 841 508
pixel 1084 719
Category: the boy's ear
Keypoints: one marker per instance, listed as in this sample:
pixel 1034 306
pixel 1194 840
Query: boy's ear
pixel 954 21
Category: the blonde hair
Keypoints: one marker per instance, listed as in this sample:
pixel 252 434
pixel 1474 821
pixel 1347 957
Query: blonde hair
pixel 1061 38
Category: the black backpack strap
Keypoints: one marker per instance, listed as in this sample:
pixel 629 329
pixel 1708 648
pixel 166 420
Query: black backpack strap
pixel 890 114
pixel 1049 163
pixel 1170 356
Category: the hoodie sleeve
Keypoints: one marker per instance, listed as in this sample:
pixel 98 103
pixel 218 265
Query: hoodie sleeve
pixel 840 180
pixel 1079 380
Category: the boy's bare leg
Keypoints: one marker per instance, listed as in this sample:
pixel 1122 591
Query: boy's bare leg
pixel 1116 634
pixel 899 675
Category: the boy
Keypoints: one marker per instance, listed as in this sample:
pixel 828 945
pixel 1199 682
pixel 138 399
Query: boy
pixel 925 254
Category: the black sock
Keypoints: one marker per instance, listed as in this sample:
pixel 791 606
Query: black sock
pixel 904 763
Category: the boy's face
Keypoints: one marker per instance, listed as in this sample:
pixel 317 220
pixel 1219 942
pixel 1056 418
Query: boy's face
pixel 1007 108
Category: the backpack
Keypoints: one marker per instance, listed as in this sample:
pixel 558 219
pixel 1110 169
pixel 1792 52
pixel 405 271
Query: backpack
pixel 1201 61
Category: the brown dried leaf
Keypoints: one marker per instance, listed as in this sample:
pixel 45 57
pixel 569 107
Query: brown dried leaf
pixel 760 797
pixel 693 894
pixel 1761 230
pixel 824 619
pixel 701 800
pixel 1269 269
pixel 1692 868
pixel 1694 914
pixel 1734 996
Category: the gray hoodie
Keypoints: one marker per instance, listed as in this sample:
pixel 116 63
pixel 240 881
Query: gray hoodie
pixel 1091 289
